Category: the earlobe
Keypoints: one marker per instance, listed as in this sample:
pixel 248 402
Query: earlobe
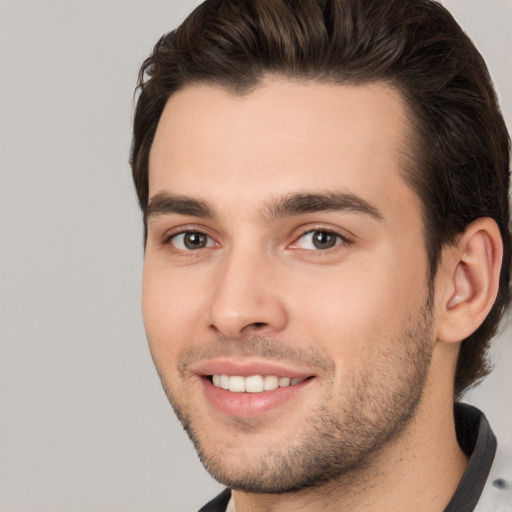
pixel 473 272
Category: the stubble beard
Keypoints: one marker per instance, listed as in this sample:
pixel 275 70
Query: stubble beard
pixel 343 434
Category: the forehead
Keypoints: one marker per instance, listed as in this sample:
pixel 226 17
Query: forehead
pixel 282 137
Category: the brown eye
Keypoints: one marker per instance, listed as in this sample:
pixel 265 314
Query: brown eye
pixel 323 239
pixel 195 240
pixel 319 240
pixel 191 241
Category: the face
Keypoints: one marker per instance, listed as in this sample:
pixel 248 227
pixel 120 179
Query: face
pixel 285 289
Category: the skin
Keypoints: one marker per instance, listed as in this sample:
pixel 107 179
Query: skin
pixel 356 317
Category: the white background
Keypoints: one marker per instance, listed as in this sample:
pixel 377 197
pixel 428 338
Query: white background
pixel 84 424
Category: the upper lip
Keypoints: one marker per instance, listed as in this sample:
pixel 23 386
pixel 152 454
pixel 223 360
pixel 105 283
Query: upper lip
pixel 247 368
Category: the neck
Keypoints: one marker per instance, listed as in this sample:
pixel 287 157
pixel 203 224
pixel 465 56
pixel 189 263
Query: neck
pixel 418 470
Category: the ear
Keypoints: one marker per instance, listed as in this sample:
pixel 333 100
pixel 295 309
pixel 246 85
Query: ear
pixel 470 280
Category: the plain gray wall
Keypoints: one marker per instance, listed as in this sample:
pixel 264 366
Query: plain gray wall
pixel 84 425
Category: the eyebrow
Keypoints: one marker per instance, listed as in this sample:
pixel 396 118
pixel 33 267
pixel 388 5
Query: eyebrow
pixel 164 203
pixel 300 203
pixel 289 205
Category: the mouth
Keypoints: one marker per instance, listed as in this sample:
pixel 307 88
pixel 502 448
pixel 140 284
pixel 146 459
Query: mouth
pixel 253 383
pixel 252 389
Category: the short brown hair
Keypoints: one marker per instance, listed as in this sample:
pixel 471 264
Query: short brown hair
pixel 461 149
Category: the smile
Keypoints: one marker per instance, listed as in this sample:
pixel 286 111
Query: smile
pixel 252 387
pixel 253 383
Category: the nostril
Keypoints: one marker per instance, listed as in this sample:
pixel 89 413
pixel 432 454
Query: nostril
pixel 255 326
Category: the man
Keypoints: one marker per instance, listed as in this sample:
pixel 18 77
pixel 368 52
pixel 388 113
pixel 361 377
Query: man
pixel 324 186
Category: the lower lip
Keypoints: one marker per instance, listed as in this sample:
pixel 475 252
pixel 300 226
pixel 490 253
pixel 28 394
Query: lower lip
pixel 248 405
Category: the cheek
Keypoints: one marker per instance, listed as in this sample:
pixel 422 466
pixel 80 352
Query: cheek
pixel 360 310
pixel 169 310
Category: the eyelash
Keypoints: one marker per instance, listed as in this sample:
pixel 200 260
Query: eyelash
pixel 173 236
pixel 341 240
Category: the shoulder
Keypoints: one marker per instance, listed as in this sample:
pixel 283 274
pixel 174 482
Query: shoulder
pixel 497 492
pixel 219 503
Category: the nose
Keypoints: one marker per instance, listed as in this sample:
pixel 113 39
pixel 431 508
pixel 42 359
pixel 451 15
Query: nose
pixel 246 300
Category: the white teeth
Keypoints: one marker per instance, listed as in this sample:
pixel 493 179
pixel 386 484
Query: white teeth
pixel 224 381
pixel 270 382
pixel 237 384
pixel 284 381
pixel 254 383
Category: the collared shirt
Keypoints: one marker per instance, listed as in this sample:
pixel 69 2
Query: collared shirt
pixel 486 485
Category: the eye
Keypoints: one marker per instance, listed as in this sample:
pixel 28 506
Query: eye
pixel 318 240
pixel 191 241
